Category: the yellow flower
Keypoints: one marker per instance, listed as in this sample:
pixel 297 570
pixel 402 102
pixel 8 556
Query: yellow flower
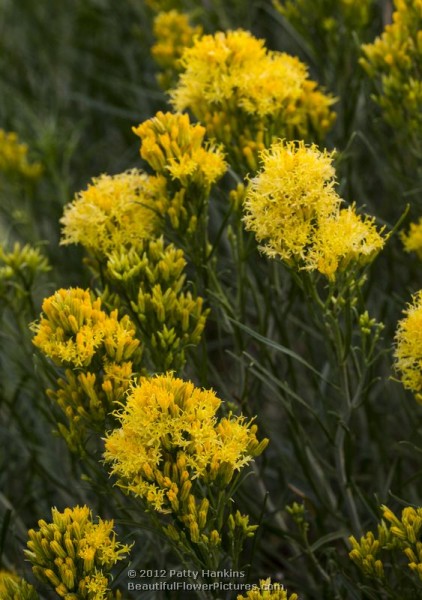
pixel 214 68
pixel 294 211
pixel 343 240
pixel 173 33
pixel 412 240
pixel 75 329
pixel 175 148
pixel 74 555
pixel 408 351
pixel 366 555
pixel 115 211
pixel 14 157
pixel 96 349
pixel 248 96
pixel 292 193
pixel 167 421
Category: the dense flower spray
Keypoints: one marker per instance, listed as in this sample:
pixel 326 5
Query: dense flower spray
pixel 115 211
pixel 173 452
pixel 168 419
pixel 287 199
pixel 74 555
pixel 97 351
pixel 296 215
pixel 176 149
pixel 248 96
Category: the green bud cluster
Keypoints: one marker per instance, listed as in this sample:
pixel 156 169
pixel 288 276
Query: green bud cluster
pixel 153 282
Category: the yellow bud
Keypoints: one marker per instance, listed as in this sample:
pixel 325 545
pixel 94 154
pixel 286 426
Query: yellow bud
pixel 68 578
pixel 52 577
pixel 61 590
pixel 194 532
pixel 58 549
pixel 379 569
pixel 147 471
pixel 215 539
pixel 184 492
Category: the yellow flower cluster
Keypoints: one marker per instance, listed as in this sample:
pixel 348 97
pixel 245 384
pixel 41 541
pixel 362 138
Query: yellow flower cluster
pixel 402 534
pixel 173 33
pixel 175 148
pixel 74 329
pixel 169 318
pixel 14 157
pixel 408 351
pixel 294 211
pixel 248 96
pixel 97 351
pixel 115 211
pixel 168 419
pixel 171 443
pixel 74 555
pixel 412 240
pixel 394 61
pixel 13 587
pixel 343 240
pixel 268 591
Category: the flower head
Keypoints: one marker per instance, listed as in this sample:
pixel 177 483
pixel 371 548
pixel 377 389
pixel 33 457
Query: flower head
pixel 170 434
pixel 96 350
pixel 294 211
pixel 175 148
pixel 408 351
pixel 248 96
pixel 115 211
pixel 288 198
pixel 74 329
pixel 344 240
pixel 74 555
pixel 395 533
